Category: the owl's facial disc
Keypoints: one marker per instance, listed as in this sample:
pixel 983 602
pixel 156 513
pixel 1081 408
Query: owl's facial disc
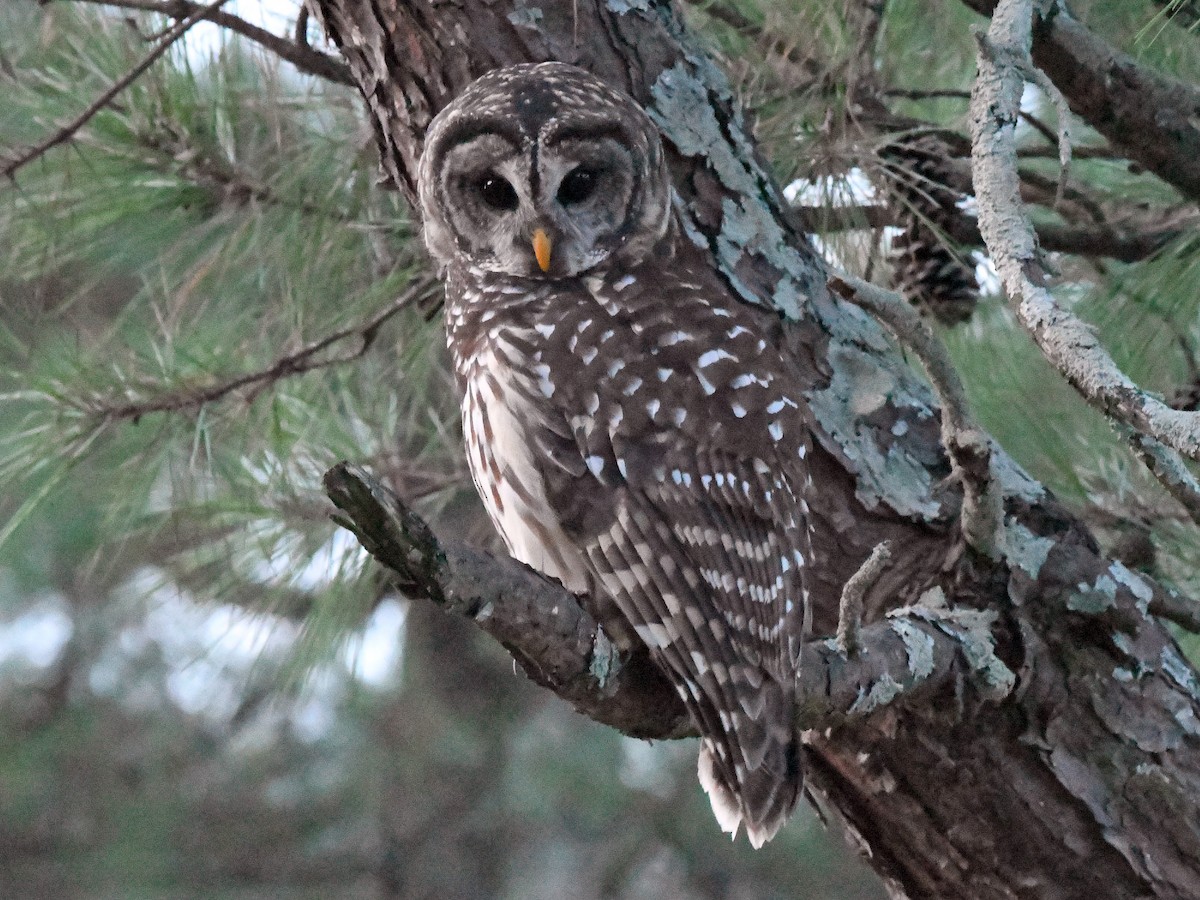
pixel 575 193
pixel 543 172
pixel 484 203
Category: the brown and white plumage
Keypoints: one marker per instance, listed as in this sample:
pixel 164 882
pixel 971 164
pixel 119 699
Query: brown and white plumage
pixel 632 428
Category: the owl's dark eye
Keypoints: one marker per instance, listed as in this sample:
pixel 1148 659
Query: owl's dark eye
pixel 497 192
pixel 577 186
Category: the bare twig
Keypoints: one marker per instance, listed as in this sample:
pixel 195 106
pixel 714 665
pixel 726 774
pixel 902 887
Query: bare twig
pixel 1069 345
pixel 298 53
pixel 1084 152
pixel 1056 138
pixel 854 591
pixel 1062 111
pixel 825 218
pixel 966 445
pixel 1020 59
pixel 1183 611
pixel 300 35
pixel 66 132
pixel 1050 135
pixel 930 94
pixel 303 360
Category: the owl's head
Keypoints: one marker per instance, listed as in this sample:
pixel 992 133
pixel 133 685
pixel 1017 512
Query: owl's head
pixel 543 171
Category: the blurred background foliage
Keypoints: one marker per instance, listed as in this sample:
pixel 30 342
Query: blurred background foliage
pixel 207 298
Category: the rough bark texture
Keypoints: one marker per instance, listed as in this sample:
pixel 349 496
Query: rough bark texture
pixel 1083 782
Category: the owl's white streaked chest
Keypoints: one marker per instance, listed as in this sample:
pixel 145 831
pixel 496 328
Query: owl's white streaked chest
pixel 499 419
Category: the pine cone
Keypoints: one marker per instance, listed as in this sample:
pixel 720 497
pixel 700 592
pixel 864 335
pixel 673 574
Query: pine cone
pixel 927 187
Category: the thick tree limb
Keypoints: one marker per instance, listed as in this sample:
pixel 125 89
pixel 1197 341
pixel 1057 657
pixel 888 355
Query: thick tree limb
pixel 1069 344
pixel 550 633
pixel 1152 119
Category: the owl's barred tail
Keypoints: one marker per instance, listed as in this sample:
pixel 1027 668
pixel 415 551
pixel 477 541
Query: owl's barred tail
pixel 760 786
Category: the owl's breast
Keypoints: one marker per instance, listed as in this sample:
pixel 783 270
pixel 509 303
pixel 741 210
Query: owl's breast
pixel 510 444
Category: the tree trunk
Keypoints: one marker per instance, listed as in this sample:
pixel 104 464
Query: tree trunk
pixel 1083 781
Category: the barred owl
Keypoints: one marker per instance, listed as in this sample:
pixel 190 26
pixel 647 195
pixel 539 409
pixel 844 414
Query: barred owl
pixel 633 429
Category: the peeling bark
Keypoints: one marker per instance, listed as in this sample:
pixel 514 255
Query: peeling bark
pixel 1084 781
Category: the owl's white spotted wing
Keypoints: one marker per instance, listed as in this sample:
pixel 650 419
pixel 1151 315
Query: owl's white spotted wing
pixel 703 577
pixel 691 517
pixel 660 443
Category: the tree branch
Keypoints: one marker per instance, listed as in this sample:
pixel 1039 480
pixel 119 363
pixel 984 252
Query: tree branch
pixel 300 55
pixel 1165 465
pixel 174 155
pixel 1069 345
pixel 850 610
pixel 1129 241
pixel 1055 138
pixel 66 132
pixel 1154 120
pixel 1184 13
pixel 306 359
pixel 561 646
pixel 1183 611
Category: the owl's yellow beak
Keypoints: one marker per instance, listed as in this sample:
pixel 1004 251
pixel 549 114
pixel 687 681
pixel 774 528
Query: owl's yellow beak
pixel 542 245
